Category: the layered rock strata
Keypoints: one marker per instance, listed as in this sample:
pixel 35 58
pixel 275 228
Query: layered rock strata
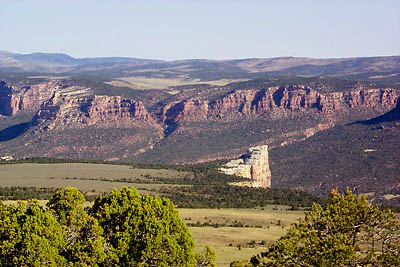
pixel 76 109
pixel 14 99
pixel 277 101
pixel 61 106
pixel 254 165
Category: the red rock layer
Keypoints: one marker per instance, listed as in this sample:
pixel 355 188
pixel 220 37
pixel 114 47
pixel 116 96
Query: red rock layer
pixel 78 112
pixel 68 107
pixel 27 98
pixel 277 100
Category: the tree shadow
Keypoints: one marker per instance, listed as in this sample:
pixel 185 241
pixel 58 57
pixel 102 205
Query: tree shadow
pixel 13 131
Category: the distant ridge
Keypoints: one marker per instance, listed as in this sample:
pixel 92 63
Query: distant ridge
pixel 54 62
pixel 199 68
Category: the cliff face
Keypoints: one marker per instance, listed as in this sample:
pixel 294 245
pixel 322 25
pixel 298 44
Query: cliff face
pixel 253 165
pixel 274 102
pixel 59 106
pixel 213 129
pixel 188 110
pixel 277 101
pixel 5 99
pixel 73 110
pixel 27 98
pixel 361 98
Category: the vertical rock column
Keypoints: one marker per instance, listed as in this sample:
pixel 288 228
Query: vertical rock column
pixel 259 172
pixel 254 165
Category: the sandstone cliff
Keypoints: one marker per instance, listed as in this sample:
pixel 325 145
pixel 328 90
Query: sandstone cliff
pixel 214 127
pixel 253 165
pixel 77 109
pixel 276 102
pixel 14 99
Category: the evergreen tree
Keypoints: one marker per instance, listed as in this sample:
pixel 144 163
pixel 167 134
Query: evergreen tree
pixel 29 236
pixel 84 243
pixel 348 232
pixel 143 230
pixel 206 258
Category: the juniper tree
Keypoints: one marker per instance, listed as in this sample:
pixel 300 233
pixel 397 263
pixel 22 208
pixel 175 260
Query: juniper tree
pixel 206 258
pixel 84 243
pixel 143 230
pixel 29 236
pixel 348 232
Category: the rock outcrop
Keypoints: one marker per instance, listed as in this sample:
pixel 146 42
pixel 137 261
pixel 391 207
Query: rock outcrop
pixel 277 101
pixel 14 99
pixel 76 109
pixel 276 116
pixel 254 165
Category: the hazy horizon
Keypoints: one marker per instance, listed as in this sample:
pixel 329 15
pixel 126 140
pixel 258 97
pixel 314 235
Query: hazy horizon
pixel 213 59
pixel 221 30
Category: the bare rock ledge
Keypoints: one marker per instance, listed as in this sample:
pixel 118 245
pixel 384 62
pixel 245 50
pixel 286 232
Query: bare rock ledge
pixel 253 165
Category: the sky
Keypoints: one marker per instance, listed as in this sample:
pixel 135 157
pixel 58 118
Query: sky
pixel 179 29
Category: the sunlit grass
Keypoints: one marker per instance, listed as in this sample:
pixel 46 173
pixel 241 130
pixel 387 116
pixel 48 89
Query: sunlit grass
pixel 145 83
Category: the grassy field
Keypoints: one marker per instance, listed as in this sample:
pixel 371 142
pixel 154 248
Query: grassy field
pixel 48 77
pixel 264 227
pixel 259 227
pixel 164 83
pixel 86 177
pixel 251 217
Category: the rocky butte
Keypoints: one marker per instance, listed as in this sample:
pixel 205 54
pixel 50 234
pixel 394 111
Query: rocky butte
pixel 253 165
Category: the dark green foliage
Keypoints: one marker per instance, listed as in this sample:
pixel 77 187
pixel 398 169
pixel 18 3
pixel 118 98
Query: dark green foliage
pixel 41 193
pixel 348 232
pixel 138 231
pixel 84 243
pixel 25 193
pixel 226 196
pixel 382 78
pixel 143 230
pixel 29 236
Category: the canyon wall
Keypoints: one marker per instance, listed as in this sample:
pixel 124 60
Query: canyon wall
pixel 219 126
pixel 278 101
pixel 14 99
pixel 60 106
pixel 53 96
pixel 78 110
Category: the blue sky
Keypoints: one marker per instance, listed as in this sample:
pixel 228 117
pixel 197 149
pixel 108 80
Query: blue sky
pixel 178 29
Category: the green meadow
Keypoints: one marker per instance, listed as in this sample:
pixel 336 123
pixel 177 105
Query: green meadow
pixel 259 228
pixel 87 177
